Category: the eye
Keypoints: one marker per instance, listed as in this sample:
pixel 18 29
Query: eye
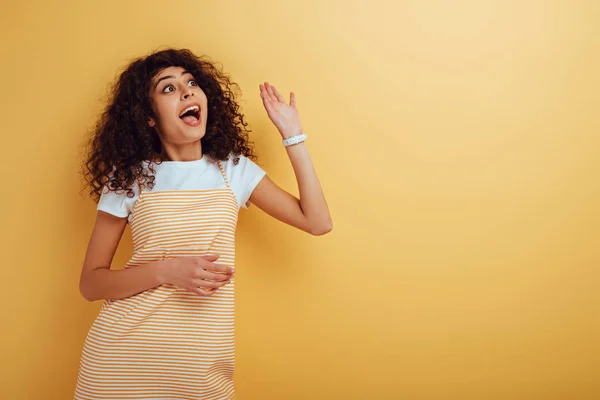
pixel 168 86
pixel 191 80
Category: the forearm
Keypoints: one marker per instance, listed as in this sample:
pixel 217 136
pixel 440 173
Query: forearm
pixel 106 283
pixel 312 200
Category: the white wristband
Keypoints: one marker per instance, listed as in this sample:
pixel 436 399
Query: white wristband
pixel 294 139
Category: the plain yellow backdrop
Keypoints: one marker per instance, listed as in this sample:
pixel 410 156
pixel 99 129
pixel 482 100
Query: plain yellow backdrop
pixel 457 145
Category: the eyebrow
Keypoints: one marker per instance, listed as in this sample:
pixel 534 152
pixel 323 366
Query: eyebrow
pixel 169 77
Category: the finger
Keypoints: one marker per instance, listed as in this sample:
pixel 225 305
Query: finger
pixel 292 99
pixel 203 292
pixel 207 285
pixel 224 283
pixel 216 277
pixel 264 94
pixel 279 96
pixel 221 283
pixel 217 267
pixel 210 284
pixel 210 257
pixel 270 91
pixel 268 103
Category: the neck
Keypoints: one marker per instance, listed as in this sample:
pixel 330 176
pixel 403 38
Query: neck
pixel 190 153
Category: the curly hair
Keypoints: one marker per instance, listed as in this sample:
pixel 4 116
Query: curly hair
pixel 122 140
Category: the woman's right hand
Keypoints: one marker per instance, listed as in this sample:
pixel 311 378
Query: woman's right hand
pixel 199 274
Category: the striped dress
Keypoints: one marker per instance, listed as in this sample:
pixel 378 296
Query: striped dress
pixel 168 342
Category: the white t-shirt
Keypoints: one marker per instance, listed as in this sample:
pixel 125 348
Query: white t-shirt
pixel 186 175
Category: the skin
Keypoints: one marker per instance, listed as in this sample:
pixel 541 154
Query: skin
pixel 181 142
pixel 169 97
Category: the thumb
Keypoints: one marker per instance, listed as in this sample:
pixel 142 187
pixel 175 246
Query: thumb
pixel 211 257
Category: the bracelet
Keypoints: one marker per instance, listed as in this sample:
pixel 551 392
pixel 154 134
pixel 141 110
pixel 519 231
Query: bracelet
pixel 294 140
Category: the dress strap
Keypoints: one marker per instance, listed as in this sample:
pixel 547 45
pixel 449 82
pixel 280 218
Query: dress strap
pixel 223 173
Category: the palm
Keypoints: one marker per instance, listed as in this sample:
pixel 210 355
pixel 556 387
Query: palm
pixel 283 115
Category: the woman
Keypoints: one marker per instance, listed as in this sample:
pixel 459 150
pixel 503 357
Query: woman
pixel 171 157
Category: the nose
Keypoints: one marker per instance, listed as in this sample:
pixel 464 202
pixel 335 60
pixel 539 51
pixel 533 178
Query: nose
pixel 187 93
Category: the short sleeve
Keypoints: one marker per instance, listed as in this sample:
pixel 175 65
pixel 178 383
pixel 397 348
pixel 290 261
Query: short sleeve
pixel 117 203
pixel 249 174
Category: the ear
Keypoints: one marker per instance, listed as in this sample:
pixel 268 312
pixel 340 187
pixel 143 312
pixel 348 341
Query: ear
pixel 151 122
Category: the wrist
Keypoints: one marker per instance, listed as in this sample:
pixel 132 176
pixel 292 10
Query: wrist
pixel 161 271
pixel 294 140
pixel 289 133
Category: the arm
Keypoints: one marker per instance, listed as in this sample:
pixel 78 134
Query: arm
pixel 310 213
pixel 97 280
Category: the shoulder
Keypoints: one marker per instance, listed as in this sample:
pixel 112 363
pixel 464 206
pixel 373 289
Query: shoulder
pixel 242 165
pixel 243 174
pixel 238 160
pixel 118 202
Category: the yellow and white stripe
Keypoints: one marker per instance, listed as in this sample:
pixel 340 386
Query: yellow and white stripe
pixel 168 342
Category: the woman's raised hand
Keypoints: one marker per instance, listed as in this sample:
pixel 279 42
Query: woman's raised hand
pixel 284 116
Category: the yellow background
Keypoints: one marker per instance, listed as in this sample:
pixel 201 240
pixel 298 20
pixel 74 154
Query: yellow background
pixel 457 145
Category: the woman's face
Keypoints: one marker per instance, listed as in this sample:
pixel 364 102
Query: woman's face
pixel 172 92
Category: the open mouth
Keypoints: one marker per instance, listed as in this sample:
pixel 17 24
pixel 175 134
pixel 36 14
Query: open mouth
pixel 191 115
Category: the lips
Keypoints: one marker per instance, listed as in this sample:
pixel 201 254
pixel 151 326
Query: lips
pixel 191 114
pixel 191 120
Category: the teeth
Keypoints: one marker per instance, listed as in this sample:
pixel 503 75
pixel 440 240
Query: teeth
pixel 196 108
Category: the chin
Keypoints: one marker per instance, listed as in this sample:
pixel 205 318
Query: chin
pixel 193 130
pixel 196 134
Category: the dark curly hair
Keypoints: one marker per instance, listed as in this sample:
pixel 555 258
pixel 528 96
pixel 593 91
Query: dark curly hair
pixel 122 139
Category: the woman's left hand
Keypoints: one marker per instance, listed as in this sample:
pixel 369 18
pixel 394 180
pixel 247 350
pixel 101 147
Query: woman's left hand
pixel 284 116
